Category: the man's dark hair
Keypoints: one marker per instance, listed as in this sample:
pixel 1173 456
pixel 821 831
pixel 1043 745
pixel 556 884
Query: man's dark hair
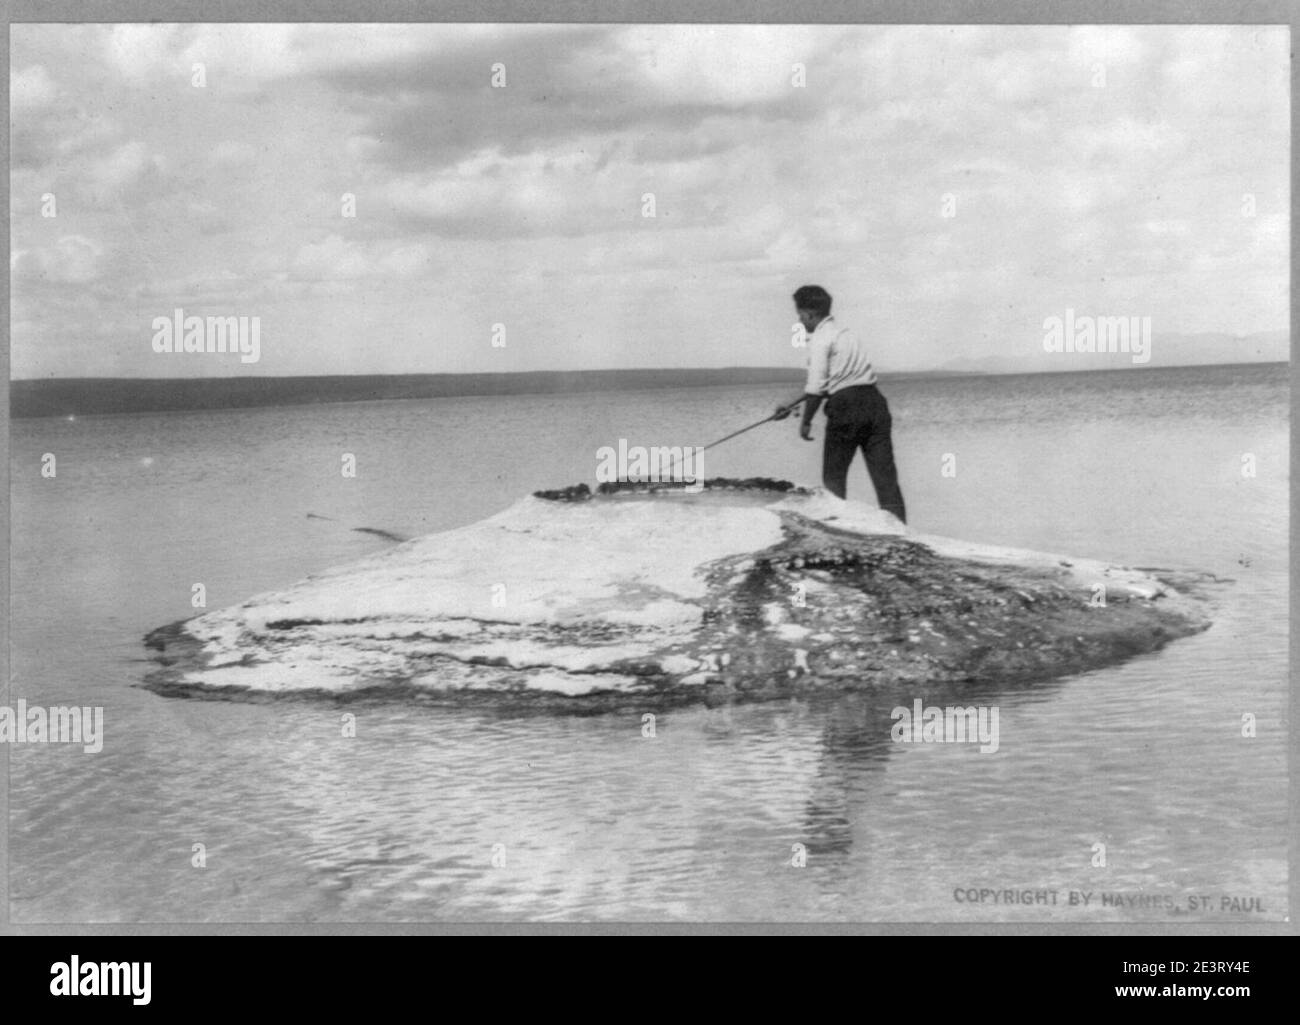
pixel 814 298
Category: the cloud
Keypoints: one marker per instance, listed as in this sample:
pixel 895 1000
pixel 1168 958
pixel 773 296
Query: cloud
pixel 232 153
pixel 108 179
pixel 733 66
pixel 1105 44
pixel 234 56
pixel 494 196
pixel 74 259
pixel 140 51
pixel 336 259
pixel 57 133
pixel 646 80
pixel 207 288
pixel 31 88
pixel 246 57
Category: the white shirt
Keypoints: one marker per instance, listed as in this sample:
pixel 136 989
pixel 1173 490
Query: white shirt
pixel 836 360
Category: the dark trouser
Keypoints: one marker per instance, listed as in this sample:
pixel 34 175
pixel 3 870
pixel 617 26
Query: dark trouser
pixel 858 418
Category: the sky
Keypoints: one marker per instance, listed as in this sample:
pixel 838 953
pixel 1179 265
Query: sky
pixel 951 186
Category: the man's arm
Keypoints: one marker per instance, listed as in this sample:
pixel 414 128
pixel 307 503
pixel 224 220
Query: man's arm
pixel 811 403
pixel 819 358
pixel 819 370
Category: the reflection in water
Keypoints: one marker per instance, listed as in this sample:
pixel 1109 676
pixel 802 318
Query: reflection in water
pixel 848 796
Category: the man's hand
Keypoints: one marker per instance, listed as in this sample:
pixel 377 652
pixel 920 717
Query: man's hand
pixel 782 412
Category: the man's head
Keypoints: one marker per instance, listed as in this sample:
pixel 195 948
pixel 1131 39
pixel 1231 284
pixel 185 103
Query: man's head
pixel 813 305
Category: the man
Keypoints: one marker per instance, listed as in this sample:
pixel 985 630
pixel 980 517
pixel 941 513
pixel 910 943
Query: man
pixel 857 416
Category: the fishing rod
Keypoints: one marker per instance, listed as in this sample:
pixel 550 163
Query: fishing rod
pixel 781 413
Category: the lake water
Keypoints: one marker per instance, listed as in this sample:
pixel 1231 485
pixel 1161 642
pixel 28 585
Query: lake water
pixel 594 822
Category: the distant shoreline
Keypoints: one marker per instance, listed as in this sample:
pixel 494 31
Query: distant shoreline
pixel 89 396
